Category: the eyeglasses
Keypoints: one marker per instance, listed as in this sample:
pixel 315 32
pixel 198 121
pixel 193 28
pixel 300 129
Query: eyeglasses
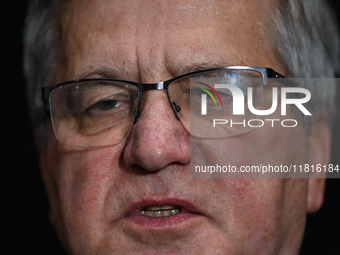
pixel 101 112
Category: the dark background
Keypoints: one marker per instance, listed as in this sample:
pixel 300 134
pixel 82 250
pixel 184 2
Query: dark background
pixel 25 227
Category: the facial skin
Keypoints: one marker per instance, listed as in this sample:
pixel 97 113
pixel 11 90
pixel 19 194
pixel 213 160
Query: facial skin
pixel 96 194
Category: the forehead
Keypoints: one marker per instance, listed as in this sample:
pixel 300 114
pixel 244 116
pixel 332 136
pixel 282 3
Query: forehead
pixel 171 14
pixel 163 33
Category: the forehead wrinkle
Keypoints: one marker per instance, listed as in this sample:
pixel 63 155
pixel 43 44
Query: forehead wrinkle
pixel 164 17
pixel 182 14
pixel 190 57
pixel 91 47
pixel 150 41
pixel 173 58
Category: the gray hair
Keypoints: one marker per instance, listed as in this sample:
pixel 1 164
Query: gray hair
pixel 304 35
pixel 40 59
pixel 306 38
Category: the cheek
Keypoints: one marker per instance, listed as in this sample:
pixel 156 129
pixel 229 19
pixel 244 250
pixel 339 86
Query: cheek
pixel 264 211
pixel 266 146
pixel 86 176
pixel 81 183
pixel 251 212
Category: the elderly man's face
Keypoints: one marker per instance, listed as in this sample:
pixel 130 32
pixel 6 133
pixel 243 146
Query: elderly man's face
pixel 96 194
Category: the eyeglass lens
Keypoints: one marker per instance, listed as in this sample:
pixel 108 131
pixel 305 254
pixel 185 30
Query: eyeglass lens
pixel 93 113
pixel 101 113
pixel 210 96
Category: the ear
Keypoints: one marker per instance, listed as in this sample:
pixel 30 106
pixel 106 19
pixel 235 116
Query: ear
pixel 319 149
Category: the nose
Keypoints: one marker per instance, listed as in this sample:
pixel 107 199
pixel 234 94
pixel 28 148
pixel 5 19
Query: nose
pixel 158 139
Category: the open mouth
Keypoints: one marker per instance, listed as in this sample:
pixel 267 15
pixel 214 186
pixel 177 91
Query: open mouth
pixel 160 211
pixel 160 214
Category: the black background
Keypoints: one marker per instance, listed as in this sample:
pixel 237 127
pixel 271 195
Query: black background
pixel 25 227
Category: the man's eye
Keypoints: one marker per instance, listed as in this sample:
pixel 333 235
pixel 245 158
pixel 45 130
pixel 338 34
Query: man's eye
pixel 107 104
pixel 223 94
pixel 197 92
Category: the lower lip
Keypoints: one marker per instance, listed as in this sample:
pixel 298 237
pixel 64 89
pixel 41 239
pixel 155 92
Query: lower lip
pixel 162 222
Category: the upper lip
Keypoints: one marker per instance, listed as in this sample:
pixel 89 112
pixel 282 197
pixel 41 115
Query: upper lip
pixel 184 205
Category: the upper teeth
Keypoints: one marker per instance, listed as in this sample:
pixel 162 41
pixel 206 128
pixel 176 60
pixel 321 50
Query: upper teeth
pixel 162 207
pixel 160 211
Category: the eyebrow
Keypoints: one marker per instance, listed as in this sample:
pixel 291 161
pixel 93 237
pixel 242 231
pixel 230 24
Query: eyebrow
pixel 104 72
pixel 197 66
pixel 115 73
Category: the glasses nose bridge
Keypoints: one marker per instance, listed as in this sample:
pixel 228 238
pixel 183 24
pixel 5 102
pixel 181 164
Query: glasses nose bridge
pixel 153 86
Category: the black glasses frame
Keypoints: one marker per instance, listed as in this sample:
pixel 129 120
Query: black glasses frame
pixel 267 73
